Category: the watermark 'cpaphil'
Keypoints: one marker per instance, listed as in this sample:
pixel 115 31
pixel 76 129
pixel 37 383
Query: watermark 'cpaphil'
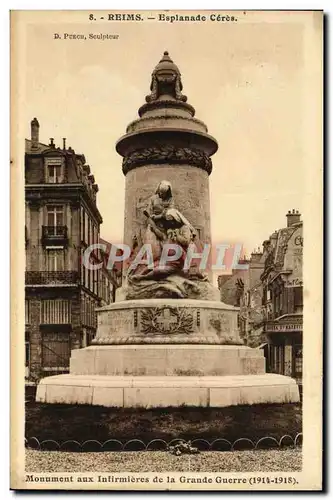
pixel 218 257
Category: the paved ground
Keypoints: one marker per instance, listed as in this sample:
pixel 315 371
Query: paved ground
pixel 161 461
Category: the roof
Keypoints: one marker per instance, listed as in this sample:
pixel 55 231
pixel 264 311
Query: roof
pixel 279 245
pixel 166 63
pixel 41 147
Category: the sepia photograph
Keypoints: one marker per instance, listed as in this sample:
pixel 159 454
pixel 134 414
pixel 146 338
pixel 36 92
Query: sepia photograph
pixel 167 309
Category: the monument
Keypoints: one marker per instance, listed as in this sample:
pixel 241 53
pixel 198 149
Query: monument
pixel 167 340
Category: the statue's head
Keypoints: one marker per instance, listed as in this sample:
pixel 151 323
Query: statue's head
pixel 164 190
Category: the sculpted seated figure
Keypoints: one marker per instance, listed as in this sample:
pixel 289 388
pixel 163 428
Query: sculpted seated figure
pixel 169 279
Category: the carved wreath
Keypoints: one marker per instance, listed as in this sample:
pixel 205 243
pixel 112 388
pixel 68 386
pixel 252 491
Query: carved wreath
pixel 182 322
pixel 167 154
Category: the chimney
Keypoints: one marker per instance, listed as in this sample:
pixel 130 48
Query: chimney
pixel 293 217
pixel 273 238
pixel 256 255
pixel 64 143
pixel 52 145
pixel 266 245
pixel 34 133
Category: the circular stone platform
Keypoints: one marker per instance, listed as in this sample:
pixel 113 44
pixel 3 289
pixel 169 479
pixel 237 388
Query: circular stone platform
pixel 152 392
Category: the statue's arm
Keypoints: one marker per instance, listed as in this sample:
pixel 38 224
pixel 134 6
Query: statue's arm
pixel 160 234
pixel 158 217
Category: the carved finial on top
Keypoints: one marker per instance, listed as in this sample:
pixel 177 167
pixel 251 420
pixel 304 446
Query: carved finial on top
pixel 166 80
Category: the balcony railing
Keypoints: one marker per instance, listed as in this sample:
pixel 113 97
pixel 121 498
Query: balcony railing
pixel 54 234
pixel 51 277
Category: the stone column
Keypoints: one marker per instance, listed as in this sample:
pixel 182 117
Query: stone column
pixel 167 143
pixel 142 182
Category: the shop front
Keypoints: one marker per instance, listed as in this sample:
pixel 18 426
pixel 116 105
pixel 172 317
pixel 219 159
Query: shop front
pixel 285 346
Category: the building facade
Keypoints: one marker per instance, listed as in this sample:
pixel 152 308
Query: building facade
pixel 282 281
pixel 270 297
pixel 243 289
pixel 61 221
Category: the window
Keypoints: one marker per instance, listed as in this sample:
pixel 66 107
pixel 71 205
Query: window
pixel 83 309
pixel 27 312
pixel 82 268
pixel 276 359
pixel 55 220
pixel 277 303
pixel 99 284
pixel 54 170
pixel 90 231
pixel 55 260
pixel 94 278
pixel 86 240
pixel 86 274
pixel 298 299
pixel 55 215
pixel 56 312
pixel 82 224
pixel 89 312
pixel 27 353
pixel 298 361
pixel 95 314
pixel 280 302
pixel 94 234
pixel 55 351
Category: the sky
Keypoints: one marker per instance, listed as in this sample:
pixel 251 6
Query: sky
pixel 244 79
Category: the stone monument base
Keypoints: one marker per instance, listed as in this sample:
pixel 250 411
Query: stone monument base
pixel 167 360
pixel 164 391
pixel 167 352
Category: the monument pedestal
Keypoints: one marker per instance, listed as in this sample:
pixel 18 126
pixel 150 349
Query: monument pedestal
pixel 167 352
pixel 167 360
